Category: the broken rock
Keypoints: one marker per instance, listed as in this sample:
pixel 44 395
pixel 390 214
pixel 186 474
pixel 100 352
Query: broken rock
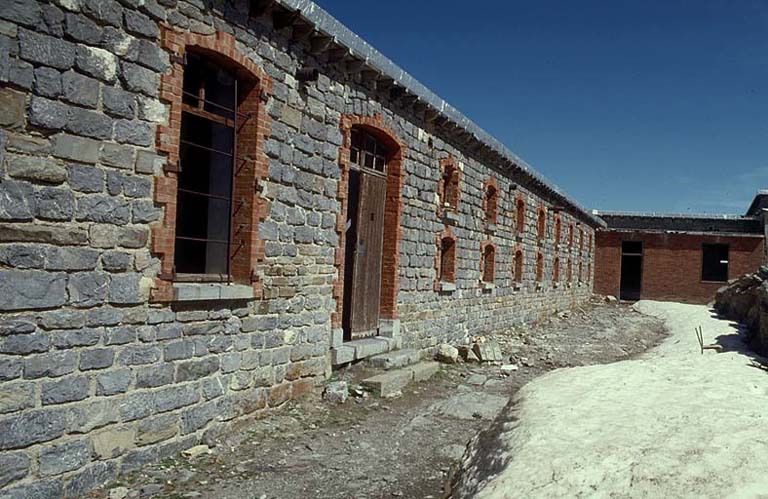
pixel 508 369
pixel 447 353
pixel 196 451
pixel 336 392
pixel 489 351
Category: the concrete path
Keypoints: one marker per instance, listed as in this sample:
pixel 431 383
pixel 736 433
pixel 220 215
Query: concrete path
pixel 673 423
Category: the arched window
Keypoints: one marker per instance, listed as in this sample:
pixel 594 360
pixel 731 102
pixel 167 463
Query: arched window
pixel 558 229
pixel 589 246
pixel 581 238
pixel 491 203
pixel 215 135
pixel 570 235
pixel 539 267
pixel 450 186
pixel 556 270
pixel 589 271
pixel 519 266
pixel 489 263
pixel 569 271
pixel 542 224
pixel 520 215
pixel 447 260
pixel 580 268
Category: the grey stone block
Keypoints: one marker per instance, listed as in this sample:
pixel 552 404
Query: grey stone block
pixel 389 383
pixel 133 237
pixel 157 429
pixel 61 319
pixel 24 12
pixel 76 148
pixel 65 390
pixel 141 25
pixel 117 156
pixel 89 124
pixel 10 369
pixel 46 50
pixel 197 417
pixel 134 132
pixel 59 459
pixel 47 82
pixel 13 466
pixel 42 233
pixel 52 365
pixel 79 89
pixel 145 211
pixel 91 477
pixel 119 103
pixel 88 289
pixel 16 326
pixel 98 358
pixel 195 369
pixel 106 11
pixel 82 29
pixel 40 489
pixel 105 316
pixel 120 335
pixel 71 259
pixel 55 204
pixel 22 257
pixel 38 169
pixel 31 289
pixel 16 396
pixel 21 74
pixel 179 350
pixel 125 289
pixel 139 355
pixel 154 376
pixel 113 382
pixel 104 209
pixel 97 63
pixel 86 178
pixel 17 201
pixel 176 397
pixel 139 79
pixel 31 427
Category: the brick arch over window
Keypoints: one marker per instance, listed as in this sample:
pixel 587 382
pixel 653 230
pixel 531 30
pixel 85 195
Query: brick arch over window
pixel 393 232
pixel 488 261
pixel 556 270
pixel 253 166
pixel 520 214
pixel 519 265
pixel 445 261
pixel 491 201
pixel 448 188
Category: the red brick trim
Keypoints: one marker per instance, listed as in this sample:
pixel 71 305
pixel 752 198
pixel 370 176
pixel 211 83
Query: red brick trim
pixel 569 270
pixel 393 231
pixel 487 266
pixel 558 228
pixel 491 201
pixel 520 213
pixel 448 192
pixel 556 270
pixel 570 235
pixel 450 275
pixel 581 238
pixel 252 136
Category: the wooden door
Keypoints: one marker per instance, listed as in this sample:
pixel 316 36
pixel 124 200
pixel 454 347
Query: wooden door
pixel 366 279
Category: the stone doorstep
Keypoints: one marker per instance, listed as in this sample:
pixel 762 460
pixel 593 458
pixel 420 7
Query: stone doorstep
pixel 362 349
pixel 395 359
pixel 392 382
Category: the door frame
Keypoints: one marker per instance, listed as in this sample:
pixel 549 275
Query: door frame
pixel 393 232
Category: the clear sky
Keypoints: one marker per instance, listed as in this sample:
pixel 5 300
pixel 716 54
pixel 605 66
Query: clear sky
pixel 640 105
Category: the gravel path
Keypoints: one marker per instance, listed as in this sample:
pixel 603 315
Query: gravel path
pixel 673 423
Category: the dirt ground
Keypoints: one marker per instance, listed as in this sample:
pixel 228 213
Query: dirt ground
pixel 407 446
pixel 677 422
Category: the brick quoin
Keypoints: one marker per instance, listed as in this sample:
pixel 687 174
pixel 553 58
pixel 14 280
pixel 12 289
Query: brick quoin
pixel 393 206
pixel 252 133
pixel 672 263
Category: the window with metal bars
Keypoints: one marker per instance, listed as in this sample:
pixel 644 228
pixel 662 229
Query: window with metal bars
pixel 368 152
pixel 208 148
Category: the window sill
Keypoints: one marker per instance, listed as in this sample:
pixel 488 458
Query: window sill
pixel 490 228
pixel 201 291
pixel 446 287
pixel 713 282
pixel 487 286
pixel 519 237
pixel 450 217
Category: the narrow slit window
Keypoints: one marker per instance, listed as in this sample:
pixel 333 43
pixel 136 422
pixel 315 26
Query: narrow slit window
pixel 489 263
pixel 520 216
pixel 519 266
pixel 542 224
pixel 715 260
pixel 539 267
pixel 556 270
pixel 447 260
pixel 491 204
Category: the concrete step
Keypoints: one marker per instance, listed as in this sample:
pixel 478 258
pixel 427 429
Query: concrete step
pixel 392 382
pixel 395 359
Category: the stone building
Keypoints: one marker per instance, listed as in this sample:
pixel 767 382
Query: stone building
pixel 205 205
pixel 682 258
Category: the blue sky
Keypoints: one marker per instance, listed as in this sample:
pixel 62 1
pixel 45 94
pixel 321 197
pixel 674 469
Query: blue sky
pixel 637 105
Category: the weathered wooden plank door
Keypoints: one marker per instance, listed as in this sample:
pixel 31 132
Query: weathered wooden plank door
pixel 366 285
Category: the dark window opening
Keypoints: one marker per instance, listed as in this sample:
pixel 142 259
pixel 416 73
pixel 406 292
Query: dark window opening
pixel 520 216
pixel 539 267
pixel 556 270
pixel 630 283
pixel 519 266
pixel 205 181
pixel 367 152
pixel 447 260
pixel 489 257
pixel 451 187
pixel 714 266
pixel 491 204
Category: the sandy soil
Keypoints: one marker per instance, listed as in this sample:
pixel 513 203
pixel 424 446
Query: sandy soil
pixel 382 448
pixel 673 423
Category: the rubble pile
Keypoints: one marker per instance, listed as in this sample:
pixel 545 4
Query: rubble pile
pixel 746 300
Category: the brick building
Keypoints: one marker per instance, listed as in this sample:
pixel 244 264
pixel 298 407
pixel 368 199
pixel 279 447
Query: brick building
pixel 205 206
pixel 682 258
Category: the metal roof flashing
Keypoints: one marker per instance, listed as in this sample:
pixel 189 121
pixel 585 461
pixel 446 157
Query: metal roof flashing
pixel 359 48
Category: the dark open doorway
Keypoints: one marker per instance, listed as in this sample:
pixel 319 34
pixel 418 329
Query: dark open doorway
pixel 631 270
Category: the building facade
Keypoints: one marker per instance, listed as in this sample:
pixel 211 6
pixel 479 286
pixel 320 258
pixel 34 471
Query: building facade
pixel 683 258
pixel 206 206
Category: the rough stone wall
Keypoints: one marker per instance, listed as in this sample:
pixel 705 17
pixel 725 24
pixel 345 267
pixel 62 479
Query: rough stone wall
pixel 95 378
pixel 672 263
